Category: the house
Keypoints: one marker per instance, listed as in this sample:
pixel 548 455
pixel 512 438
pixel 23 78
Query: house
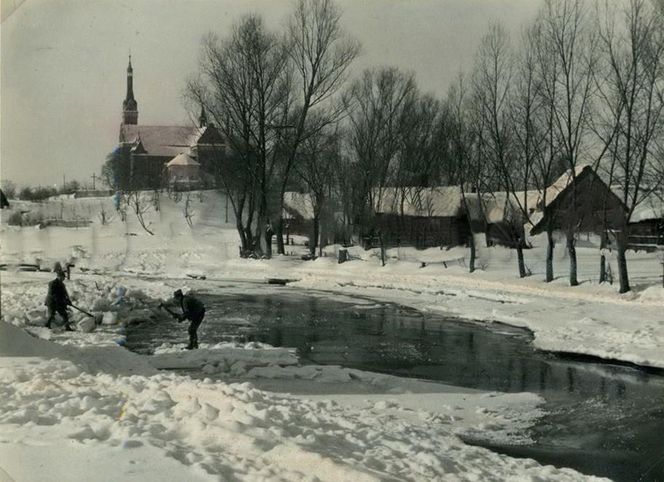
pixel 501 216
pixel 646 223
pixel 183 172
pixel 421 217
pixel 580 202
pixel 298 213
pixel 148 148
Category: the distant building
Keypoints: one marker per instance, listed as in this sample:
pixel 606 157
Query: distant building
pixel 150 148
pixel 183 172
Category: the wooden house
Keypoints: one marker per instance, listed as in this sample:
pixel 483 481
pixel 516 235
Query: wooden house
pixel 646 224
pixel 581 202
pixel 421 217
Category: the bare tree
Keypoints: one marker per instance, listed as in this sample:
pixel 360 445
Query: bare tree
pixel 318 160
pixel 376 105
pixel 507 115
pixel 465 154
pixel 424 129
pixel 244 85
pixel 136 201
pixel 632 90
pixel 567 61
pixel 321 54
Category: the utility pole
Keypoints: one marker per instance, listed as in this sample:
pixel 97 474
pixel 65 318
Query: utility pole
pixel 64 182
pixel 94 177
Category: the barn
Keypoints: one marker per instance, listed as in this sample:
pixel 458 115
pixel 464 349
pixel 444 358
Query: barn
pixel 422 217
pixel 580 202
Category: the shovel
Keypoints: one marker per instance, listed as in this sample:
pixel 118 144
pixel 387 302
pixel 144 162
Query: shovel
pixel 97 318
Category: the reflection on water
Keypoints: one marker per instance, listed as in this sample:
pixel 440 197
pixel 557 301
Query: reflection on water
pixel 603 419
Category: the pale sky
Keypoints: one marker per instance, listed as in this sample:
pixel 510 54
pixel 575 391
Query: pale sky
pixel 63 64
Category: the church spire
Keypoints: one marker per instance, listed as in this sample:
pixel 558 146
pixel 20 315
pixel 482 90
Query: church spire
pixel 202 119
pixel 129 105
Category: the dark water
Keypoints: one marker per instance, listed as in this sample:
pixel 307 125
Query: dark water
pixel 603 419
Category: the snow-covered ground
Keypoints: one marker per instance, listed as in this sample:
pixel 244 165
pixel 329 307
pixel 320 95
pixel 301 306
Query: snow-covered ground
pixel 72 399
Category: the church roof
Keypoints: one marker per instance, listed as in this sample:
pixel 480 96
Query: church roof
pixel 182 159
pixel 167 141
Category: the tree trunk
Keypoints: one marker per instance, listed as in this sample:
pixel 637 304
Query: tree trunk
pixel 382 249
pixel 602 268
pixel 550 244
pixel 243 238
pixel 280 236
pixel 522 265
pixel 313 242
pixel 623 275
pixel 471 262
pixel 249 238
pixel 571 249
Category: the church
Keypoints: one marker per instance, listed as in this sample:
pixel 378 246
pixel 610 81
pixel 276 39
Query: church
pixel 181 157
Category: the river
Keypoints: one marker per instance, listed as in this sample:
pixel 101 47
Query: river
pixel 602 419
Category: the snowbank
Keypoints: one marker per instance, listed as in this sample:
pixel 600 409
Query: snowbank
pixel 152 426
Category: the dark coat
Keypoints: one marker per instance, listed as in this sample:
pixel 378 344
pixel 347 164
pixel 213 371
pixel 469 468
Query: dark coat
pixel 192 309
pixel 57 296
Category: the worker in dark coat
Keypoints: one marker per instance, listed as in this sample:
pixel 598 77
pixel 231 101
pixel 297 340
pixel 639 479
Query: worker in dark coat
pixel 57 300
pixel 192 310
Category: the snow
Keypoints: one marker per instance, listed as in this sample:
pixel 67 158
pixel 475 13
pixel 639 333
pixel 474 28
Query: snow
pixel 73 398
pixel 62 406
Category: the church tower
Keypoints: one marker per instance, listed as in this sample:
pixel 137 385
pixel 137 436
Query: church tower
pixel 129 105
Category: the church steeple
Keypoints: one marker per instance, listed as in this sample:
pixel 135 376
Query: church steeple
pixel 129 105
pixel 202 119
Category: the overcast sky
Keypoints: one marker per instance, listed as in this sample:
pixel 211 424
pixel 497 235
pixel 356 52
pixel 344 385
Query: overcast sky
pixel 64 64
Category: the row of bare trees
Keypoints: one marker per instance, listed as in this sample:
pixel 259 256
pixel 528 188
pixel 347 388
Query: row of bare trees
pixel 583 84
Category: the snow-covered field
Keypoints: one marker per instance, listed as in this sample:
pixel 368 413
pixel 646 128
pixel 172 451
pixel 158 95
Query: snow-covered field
pixel 80 407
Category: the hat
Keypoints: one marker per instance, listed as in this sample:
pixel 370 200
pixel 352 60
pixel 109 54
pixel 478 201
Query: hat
pixel 177 294
pixel 57 267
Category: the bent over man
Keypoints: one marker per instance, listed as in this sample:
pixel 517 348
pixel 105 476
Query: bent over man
pixel 192 310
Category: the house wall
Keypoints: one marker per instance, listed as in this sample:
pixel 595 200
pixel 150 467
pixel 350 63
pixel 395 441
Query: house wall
pixel 423 232
pixel 646 233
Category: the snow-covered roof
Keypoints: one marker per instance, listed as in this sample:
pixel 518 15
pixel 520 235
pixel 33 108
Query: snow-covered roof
pixel 299 203
pixel 502 205
pixel 167 141
pixel 442 201
pixel 563 181
pixel 182 159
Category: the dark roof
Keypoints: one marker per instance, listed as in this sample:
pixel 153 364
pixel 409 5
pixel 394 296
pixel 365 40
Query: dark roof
pixel 581 198
pixel 166 141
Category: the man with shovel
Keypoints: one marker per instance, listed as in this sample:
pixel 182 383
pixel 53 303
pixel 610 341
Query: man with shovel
pixel 57 299
pixel 192 310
